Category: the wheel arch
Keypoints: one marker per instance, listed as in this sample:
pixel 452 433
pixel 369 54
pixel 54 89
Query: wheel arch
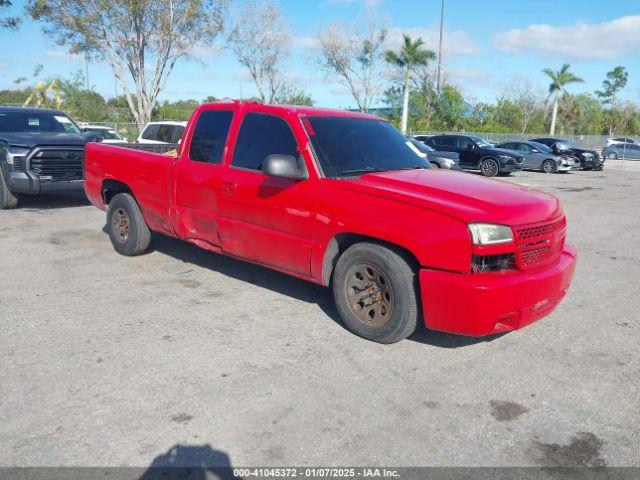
pixel 489 156
pixel 111 187
pixel 342 241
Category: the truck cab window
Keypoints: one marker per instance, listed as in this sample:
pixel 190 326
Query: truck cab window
pixel 151 132
pixel 210 136
pixel 260 136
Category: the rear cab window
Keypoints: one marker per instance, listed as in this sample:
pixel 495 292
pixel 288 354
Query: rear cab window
pixel 151 132
pixel 210 135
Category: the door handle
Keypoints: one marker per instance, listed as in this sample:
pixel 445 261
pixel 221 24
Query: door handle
pixel 229 187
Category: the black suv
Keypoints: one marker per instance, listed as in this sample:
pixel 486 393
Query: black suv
pixel 589 159
pixel 40 151
pixel 478 154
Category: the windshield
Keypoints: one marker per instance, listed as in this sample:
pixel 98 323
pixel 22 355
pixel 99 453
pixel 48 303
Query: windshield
pixel 481 142
pixel 351 146
pixel 541 146
pixel 423 147
pixel 38 122
pixel 104 133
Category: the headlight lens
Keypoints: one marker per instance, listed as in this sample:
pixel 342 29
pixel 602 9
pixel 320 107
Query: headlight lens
pixel 489 234
pixel 13 152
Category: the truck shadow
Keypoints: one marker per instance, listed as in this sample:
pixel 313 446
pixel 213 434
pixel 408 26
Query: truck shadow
pixel 289 286
pixel 52 201
pixel 190 462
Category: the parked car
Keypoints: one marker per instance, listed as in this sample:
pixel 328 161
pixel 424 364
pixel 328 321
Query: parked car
pixel 538 156
pixel 107 134
pixel 478 154
pixel 41 151
pixel 162 132
pixel 447 160
pixel 621 140
pixel 339 198
pixel 621 150
pixel 422 138
pixel 589 159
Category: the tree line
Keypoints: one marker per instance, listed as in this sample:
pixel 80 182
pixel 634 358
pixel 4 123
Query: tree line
pixel 143 40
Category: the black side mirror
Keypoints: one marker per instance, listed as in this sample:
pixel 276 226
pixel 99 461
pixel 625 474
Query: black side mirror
pixel 284 166
pixel 470 146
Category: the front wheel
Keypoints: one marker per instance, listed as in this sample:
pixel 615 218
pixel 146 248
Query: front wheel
pixel 489 167
pixel 549 166
pixel 612 156
pixel 374 288
pixel 8 200
pixel 127 228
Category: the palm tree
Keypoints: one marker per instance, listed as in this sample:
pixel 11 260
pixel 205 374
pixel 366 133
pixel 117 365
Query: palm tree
pixel 558 81
pixel 411 54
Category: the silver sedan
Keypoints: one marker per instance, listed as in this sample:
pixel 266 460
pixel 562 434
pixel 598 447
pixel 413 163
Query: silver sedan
pixel 540 157
pixel 621 150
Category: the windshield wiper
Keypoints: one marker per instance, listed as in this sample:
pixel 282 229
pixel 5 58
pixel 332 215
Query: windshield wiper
pixel 364 170
pixel 415 167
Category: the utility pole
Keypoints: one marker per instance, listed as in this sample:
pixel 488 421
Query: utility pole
pixel 86 67
pixel 439 74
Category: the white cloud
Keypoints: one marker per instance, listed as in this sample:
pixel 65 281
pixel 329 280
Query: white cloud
pixel 468 76
pixel 65 56
pixel 454 42
pixel 309 43
pixel 582 41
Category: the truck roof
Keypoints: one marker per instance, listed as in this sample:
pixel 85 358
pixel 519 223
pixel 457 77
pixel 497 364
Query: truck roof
pixel 297 109
pixel 29 110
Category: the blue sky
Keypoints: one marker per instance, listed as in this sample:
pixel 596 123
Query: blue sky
pixel 490 46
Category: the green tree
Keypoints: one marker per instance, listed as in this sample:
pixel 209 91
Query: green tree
pixel 559 80
pixel 8 22
pixel 616 80
pixel 451 109
pixel 178 110
pixel 290 95
pixel 411 54
pixel 141 40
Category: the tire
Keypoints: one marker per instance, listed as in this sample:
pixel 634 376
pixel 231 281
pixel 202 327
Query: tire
pixel 489 167
pixel 8 200
pixel 612 156
pixel 391 296
pixel 549 166
pixel 127 228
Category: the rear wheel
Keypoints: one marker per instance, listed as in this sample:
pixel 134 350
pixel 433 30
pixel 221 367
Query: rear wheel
pixel 612 156
pixel 8 200
pixel 489 167
pixel 374 288
pixel 127 228
pixel 549 166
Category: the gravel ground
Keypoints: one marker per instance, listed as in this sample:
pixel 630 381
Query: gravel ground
pixel 113 361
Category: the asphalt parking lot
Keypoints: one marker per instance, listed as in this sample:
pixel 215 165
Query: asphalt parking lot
pixel 113 361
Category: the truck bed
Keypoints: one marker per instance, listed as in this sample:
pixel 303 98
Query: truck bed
pixel 145 173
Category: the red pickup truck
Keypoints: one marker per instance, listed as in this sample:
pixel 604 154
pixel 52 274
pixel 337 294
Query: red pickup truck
pixel 342 199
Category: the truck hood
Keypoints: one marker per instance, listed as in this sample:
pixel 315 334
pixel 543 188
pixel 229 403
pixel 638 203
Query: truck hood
pixel 499 151
pixel 465 196
pixel 30 140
